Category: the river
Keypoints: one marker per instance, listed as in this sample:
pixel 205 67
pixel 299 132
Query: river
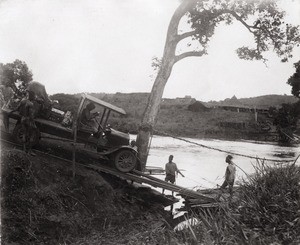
pixel 205 168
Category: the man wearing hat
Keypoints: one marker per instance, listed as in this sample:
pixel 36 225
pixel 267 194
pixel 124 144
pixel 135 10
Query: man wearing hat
pixel 88 118
pixel 229 175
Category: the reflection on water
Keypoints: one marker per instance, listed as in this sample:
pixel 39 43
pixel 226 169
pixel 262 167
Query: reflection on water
pixel 205 168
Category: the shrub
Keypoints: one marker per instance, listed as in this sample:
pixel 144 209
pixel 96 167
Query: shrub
pixel 271 202
pixel 266 210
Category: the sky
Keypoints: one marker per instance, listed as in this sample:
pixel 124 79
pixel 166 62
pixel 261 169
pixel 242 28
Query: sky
pixel 75 46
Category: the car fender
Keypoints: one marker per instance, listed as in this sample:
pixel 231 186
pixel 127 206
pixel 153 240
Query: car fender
pixel 116 149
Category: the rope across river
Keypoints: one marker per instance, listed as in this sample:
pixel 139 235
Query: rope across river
pixel 224 151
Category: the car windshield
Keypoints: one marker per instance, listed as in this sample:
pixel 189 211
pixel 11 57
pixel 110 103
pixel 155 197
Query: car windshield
pixel 96 112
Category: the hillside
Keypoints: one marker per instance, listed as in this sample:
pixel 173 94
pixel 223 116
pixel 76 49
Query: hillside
pixel 259 101
pixel 187 117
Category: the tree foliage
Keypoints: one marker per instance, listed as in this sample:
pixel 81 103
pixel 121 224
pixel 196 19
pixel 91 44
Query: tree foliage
pixel 262 18
pixel 294 80
pixel 286 119
pixel 16 75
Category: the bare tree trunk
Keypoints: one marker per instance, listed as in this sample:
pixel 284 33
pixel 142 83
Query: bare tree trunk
pixel 146 129
pixel 168 60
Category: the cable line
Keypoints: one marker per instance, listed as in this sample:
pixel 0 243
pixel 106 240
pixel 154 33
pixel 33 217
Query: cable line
pixel 216 149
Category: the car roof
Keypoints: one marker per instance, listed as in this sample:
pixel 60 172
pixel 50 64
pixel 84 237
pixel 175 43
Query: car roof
pixel 104 104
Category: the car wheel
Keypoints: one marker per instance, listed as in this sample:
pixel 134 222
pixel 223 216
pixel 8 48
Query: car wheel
pixel 18 133
pixel 125 161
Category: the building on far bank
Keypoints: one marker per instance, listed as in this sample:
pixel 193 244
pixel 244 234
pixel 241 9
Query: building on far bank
pixel 185 101
pixel 197 106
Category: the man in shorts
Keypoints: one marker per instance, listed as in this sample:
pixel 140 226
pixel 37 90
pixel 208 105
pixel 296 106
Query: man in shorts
pixel 171 171
pixel 229 176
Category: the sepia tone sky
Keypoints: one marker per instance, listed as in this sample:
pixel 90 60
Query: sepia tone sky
pixel 75 46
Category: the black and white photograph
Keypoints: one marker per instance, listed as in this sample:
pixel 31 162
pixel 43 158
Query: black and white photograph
pixel 150 122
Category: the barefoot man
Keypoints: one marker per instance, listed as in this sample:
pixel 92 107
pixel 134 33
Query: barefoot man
pixel 171 170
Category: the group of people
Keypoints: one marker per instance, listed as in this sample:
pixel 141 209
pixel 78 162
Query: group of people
pixel 172 170
pixel 34 102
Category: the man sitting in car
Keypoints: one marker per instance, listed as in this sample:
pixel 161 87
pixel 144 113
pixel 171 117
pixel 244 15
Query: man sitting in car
pixel 88 120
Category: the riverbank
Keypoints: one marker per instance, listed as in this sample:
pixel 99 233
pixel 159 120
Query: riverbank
pixel 42 204
pixel 212 124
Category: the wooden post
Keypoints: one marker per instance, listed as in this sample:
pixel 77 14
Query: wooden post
pixel 75 123
pixel 74 148
pixel 255 114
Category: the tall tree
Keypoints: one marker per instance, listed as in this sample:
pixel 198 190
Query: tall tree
pixel 16 75
pixel 286 119
pixel 294 80
pixel 262 18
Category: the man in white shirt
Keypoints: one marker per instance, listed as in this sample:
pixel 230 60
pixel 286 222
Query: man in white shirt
pixel 171 170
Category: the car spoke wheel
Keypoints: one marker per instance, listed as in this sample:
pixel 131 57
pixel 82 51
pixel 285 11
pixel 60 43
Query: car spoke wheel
pixel 125 161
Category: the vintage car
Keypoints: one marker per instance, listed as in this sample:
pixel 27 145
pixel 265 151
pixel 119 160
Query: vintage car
pixel 111 144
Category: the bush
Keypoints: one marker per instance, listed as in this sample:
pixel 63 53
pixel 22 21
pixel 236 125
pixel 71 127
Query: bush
pixel 266 210
pixel 271 202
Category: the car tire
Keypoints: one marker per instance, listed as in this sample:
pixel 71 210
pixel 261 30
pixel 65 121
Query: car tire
pixel 125 161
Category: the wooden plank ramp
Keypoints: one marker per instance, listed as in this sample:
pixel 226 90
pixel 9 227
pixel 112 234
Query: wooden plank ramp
pixel 139 177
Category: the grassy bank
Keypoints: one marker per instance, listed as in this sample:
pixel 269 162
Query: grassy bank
pixel 266 211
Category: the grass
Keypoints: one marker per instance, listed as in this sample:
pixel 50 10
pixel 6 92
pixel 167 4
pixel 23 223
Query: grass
pixel 267 210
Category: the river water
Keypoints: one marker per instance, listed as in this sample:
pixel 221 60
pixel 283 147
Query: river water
pixel 205 168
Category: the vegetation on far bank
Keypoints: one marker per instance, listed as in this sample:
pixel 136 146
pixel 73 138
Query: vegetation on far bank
pixel 176 118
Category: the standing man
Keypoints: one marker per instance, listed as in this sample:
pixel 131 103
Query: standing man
pixel 171 170
pixel 43 104
pixel 26 111
pixel 229 175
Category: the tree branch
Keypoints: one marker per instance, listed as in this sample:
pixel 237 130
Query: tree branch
pixel 181 10
pixel 186 34
pixel 189 54
pixel 234 14
pixel 250 28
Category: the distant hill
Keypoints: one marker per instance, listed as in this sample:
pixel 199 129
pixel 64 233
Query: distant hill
pixel 259 101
